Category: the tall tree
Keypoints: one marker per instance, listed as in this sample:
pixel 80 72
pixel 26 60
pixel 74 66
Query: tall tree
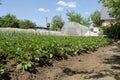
pixel 86 22
pixel 113 6
pixel 72 16
pixel 10 21
pixel 96 18
pixel 57 23
pixel 76 17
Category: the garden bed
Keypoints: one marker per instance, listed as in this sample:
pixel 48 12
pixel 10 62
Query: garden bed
pixel 27 51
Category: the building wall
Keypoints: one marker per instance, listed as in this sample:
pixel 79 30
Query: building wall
pixel 108 22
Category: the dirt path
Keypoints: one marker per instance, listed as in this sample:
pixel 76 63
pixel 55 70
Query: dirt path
pixel 103 64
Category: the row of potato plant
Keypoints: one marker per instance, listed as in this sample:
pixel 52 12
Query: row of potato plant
pixel 28 48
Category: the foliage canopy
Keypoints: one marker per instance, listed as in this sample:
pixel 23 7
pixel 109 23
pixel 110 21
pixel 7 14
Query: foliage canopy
pixel 10 20
pixel 113 6
pixel 25 24
pixel 57 23
pixel 76 17
pixel 96 18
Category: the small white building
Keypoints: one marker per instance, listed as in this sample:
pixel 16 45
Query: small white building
pixel 96 29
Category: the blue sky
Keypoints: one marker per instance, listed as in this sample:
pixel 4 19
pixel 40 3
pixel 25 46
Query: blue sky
pixel 38 10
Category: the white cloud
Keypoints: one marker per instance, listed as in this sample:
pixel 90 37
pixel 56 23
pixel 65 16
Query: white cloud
pixel 43 10
pixel 67 4
pixel 71 4
pixel 59 9
pixel 62 3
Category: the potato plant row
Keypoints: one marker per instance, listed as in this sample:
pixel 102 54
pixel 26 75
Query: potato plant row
pixel 28 48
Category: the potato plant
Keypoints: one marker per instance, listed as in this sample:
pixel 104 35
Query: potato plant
pixel 28 48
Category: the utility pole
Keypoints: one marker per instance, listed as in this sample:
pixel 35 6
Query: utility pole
pixel 46 21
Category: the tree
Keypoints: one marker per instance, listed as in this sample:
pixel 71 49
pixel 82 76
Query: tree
pixel 113 6
pixel 57 23
pixel 1 22
pixel 10 21
pixel 86 22
pixel 25 24
pixel 76 17
pixel 96 18
pixel 72 16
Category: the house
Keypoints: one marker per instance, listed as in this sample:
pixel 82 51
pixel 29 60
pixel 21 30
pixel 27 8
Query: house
pixel 106 19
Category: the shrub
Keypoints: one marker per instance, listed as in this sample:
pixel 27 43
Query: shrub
pixel 112 31
pixel 1 21
pixel 26 24
pixel 10 21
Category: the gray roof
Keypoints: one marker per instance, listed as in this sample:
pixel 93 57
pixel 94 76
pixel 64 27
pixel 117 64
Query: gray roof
pixel 105 14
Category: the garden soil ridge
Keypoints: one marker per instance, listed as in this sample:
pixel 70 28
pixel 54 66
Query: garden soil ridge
pixel 103 64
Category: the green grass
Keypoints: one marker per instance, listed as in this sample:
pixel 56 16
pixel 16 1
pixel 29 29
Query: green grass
pixel 28 48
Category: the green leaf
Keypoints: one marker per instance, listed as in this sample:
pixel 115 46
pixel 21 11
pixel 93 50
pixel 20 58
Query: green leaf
pixel 51 55
pixel 19 66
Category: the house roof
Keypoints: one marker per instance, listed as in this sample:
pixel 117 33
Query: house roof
pixel 105 14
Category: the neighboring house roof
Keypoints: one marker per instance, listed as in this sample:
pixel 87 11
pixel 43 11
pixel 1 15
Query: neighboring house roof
pixel 105 14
